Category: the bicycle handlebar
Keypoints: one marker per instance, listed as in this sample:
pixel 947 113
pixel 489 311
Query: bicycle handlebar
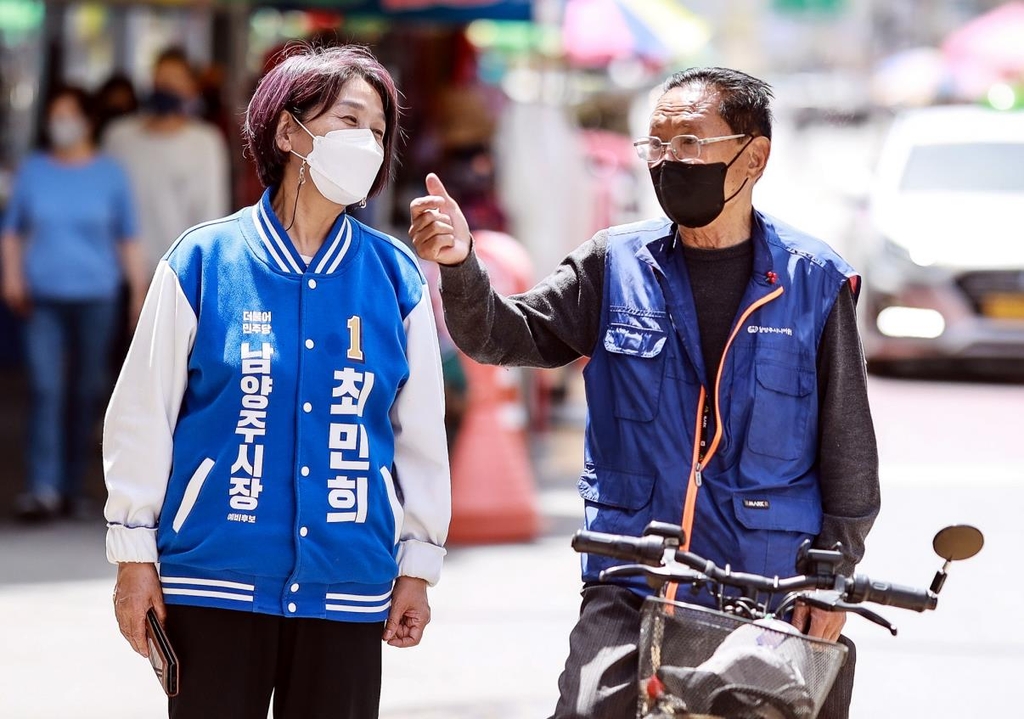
pixel 645 550
pixel 650 550
pixel 865 589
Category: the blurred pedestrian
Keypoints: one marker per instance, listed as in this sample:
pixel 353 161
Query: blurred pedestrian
pixel 115 99
pixel 178 163
pixel 68 237
pixel 212 109
pixel 726 385
pixel 275 440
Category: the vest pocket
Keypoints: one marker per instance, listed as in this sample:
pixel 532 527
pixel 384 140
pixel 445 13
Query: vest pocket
pixel 636 363
pixel 616 501
pixel 776 524
pixel 782 406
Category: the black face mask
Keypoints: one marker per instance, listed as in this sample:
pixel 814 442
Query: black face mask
pixel 165 103
pixel 693 194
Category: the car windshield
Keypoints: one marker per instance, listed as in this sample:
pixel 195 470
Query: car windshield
pixel 965 167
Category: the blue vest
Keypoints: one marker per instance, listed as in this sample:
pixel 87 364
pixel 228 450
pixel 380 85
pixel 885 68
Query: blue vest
pixel 754 497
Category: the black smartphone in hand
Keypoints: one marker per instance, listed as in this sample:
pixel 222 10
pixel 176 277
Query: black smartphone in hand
pixel 161 654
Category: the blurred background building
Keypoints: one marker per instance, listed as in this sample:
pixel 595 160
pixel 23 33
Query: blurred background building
pixel 531 105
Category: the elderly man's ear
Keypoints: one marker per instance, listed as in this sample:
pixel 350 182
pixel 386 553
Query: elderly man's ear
pixel 757 156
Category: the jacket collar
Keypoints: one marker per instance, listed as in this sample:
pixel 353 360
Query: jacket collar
pixel 280 252
pixel 657 250
pixel 763 234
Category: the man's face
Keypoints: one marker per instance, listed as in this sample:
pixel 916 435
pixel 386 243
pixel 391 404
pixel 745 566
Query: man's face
pixel 693 110
pixel 175 77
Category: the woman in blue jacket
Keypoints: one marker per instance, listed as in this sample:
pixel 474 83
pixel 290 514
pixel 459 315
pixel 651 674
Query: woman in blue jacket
pixel 68 238
pixel 276 440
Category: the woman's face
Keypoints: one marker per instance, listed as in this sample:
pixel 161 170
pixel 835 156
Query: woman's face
pixel 358 106
pixel 67 124
pixel 66 109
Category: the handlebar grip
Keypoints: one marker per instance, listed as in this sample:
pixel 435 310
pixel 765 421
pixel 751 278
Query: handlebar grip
pixel 865 589
pixel 631 549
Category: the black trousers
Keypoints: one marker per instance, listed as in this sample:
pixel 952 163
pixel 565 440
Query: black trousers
pixel 600 676
pixel 231 663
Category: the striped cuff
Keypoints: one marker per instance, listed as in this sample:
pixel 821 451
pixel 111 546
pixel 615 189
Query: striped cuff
pixel 421 560
pixel 131 544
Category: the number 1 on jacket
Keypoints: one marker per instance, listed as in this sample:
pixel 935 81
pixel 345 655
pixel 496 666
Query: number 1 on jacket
pixel 355 338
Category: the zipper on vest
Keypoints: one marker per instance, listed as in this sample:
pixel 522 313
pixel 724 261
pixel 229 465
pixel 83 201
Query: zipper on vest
pixel 716 440
pixel 695 479
pixel 702 455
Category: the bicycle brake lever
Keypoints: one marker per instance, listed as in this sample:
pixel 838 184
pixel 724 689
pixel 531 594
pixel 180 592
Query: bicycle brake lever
pixel 829 601
pixel 870 616
pixel 633 570
pixel 656 576
pixel 832 602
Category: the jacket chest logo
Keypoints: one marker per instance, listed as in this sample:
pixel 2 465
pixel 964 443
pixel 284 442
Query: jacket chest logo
pixel 761 330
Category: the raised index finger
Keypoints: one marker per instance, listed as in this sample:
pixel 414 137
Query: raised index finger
pixel 427 202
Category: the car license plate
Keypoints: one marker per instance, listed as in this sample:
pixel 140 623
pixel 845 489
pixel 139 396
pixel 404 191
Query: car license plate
pixel 1004 306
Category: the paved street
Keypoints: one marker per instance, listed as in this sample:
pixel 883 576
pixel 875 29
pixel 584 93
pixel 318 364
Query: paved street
pixel 951 453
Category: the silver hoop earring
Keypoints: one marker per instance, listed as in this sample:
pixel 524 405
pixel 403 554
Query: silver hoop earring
pixel 362 202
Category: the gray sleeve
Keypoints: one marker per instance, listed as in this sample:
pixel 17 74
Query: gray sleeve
pixel 848 453
pixel 550 325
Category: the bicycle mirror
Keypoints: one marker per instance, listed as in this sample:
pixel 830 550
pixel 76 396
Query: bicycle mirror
pixel 959 541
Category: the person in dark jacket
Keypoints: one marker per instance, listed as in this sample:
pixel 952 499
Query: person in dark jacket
pixel 726 385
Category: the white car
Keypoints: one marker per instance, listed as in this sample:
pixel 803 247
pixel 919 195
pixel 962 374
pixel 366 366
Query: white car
pixel 941 244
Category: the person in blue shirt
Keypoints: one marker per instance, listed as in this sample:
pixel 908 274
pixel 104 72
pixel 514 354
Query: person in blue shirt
pixel 67 244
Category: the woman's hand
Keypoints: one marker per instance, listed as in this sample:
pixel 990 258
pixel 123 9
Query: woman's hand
pixel 439 230
pixel 16 292
pixel 410 613
pixel 12 282
pixel 137 589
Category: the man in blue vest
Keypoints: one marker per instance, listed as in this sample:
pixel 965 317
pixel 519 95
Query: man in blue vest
pixel 726 385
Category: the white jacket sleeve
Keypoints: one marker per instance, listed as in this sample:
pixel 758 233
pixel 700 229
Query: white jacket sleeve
pixel 421 451
pixel 139 425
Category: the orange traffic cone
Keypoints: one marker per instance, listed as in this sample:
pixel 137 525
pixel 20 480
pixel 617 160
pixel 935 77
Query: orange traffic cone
pixel 493 493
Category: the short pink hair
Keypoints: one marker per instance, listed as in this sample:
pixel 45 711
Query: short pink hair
pixel 306 83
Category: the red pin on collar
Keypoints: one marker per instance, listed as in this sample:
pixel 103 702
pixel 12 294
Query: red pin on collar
pixel 771 277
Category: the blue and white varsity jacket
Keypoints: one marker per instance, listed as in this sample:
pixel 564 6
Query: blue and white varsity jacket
pixel 275 440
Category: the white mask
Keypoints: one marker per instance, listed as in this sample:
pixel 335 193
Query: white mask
pixel 343 164
pixel 67 131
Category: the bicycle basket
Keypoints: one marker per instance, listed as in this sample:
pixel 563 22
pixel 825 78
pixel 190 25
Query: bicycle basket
pixel 711 663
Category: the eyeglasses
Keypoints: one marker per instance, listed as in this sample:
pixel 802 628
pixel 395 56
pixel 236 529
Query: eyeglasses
pixel 684 147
